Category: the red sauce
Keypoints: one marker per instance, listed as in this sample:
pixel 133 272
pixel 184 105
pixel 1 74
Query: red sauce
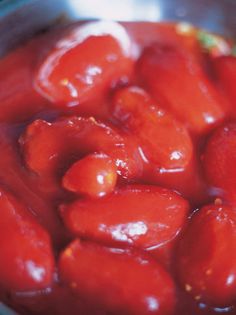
pixel 117 172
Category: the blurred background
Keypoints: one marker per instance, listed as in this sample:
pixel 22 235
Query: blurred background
pixel 20 19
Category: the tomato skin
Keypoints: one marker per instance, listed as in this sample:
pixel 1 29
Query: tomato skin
pixel 219 158
pixel 18 98
pixel 95 176
pixel 32 192
pixel 197 193
pixel 179 83
pixel 206 253
pixel 137 215
pixel 113 282
pixel 146 33
pixel 56 300
pixel 164 141
pixel 225 70
pixel 26 259
pixel 47 146
pixel 85 63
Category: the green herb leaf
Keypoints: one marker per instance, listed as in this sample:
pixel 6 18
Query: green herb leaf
pixel 207 40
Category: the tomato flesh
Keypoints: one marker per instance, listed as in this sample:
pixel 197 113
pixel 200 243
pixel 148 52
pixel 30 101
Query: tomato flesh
pixel 117 172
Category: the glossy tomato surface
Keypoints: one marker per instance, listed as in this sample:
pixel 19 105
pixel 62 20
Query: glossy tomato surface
pixel 117 171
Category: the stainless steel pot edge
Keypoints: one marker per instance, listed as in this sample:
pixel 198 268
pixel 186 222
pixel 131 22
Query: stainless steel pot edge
pixel 20 19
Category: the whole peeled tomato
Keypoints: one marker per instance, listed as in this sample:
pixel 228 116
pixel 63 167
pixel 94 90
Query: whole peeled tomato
pixel 177 80
pixel 225 70
pixel 206 259
pixel 49 146
pixel 138 215
pixel 85 63
pixel 219 158
pixel 119 281
pixel 164 141
pixel 94 176
pixel 26 257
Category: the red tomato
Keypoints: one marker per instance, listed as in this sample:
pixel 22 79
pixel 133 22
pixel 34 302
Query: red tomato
pixel 49 146
pixel 142 216
pixel 206 257
pixel 18 99
pixel 219 158
pixel 179 180
pixel 29 189
pixel 175 79
pixel 120 281
pixel 57 300
pixel 179 35
pixel 94 176
pixel 82 142
pixel 225 68
pixel 26 258
pixel 85 63
pixel 164 141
